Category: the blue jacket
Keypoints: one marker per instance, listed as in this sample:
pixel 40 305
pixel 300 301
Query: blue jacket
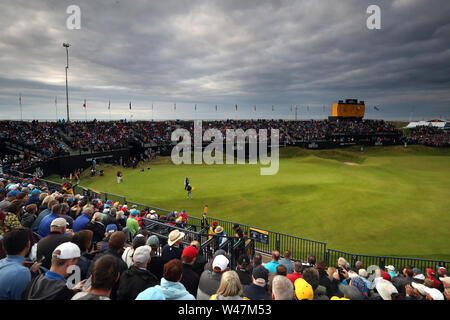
pixel 36 223
pixel 80 223
pixel 174 290
pixel 14 278
pixel 272 266
pixel 44 226
pixel 288 264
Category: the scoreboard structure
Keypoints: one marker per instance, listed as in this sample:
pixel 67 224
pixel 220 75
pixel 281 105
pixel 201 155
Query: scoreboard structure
pixel 350 109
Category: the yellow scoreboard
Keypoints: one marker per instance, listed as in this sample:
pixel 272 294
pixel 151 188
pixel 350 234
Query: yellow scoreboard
pixel 351 108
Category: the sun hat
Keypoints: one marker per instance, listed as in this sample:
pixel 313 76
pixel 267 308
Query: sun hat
pixel 434 293
pixel 363 273
pixel 445 281
pixel 420 287
pixel 390 267
pixel 141 254
pixel 219 229
pixel 303 290
pixel 66 250
pixel 174 236
pixel 220 262
pixel 385 288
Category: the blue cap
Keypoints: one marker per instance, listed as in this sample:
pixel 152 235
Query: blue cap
pixel 107 206
pixel 13 193
pixel 36 191
pixel 111 228
pixel 134 212
pixel 25 184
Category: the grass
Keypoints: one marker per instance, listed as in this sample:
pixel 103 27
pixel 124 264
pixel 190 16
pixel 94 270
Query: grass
pixel 394 202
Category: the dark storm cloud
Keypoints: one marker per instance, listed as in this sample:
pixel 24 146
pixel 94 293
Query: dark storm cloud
pixel 226 53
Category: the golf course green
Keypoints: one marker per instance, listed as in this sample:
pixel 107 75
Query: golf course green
pixel 392 201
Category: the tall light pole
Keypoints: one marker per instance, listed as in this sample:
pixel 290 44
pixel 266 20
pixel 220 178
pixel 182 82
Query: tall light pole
pixel 66 45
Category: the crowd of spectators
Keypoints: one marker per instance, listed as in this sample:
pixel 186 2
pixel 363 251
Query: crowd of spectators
pixel 429 136
pixel 45 235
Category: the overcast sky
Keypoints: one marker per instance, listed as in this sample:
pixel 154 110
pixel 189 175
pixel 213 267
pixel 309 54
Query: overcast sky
pixel 247 52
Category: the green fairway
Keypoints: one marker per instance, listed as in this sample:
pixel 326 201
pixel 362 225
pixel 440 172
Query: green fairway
pixel 391 201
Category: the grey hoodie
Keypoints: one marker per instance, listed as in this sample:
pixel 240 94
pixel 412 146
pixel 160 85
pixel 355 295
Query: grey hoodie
pixel 43 288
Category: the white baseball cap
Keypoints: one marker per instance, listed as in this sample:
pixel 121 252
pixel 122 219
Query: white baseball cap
pixel 220 262
pixel 59 223
pixel 434 293
pixel 66 250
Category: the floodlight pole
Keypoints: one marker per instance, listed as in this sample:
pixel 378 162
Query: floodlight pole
pixel 66 45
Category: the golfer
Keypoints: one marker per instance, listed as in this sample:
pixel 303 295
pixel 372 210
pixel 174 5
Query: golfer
pixel 189 191
pixel 186 183
pixel 119 176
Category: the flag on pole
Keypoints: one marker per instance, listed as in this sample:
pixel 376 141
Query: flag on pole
pixel 109 105
pixel 236 107
pixel 84 104
pixel 130 105
pixel 255 107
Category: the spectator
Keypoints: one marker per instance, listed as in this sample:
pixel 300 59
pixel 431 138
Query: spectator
pixel 221 235
pixel 403 279
pixel 49 201
pixel 257 290
pixel 173 250
pixel 391 271
pixel 243 269
pixel 433 294
pixel 190 278
pixel 14 277
pixel 48 244
pixel 105 274
pixel 385 289
pixel 170 288
pixel 52 285
pixel 257 260
pixel 432 276
pixel 97 227
pixel 120 220
pixel 210 280
pixel 311 276
pixel 272 265
pixel 82 220
pixel 156 264
pixel 415 291
pixel 287 262
pixel 132 223
pixel 44 226
pixel 230 287
pixel 29 215
pixel 127 255
pixel 446 284
pixel 12 216
pixel 297 274
pixel 200 260
pixel 282 288
pixel 115 247
pixel 324 280
pixel 83 239
pixel 65 214
pixel 280 271
pixel 137 278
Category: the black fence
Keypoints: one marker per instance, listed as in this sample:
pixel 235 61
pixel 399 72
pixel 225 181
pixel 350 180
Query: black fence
pixel 257 240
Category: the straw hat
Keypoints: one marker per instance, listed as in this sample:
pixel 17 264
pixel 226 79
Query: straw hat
pixel 174 236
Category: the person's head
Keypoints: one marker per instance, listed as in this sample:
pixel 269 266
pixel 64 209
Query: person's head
pixel 428 283
pixel 311 276
pixel 144 233
pixel 58 225
pixel 64 208
pixel 287 254
pixel 15 207
pixel 282 288
pixel 342 262
pixel 311 260
pixel 88 210
pixel 358 265
pixel 189 255
pixel 17 242
pixel 281 270
pixel 220 263
pixel 260 276
pixel 119 215
pixel 408 272
pixel 196 244
pixel 139 240
pixel 56 209
pixel 117 241
pixel 97 217
pixel 173 270
pixel 31 208
pixel 64 256
pixel 47 200
pixel 303 290
pixel 83 239
pixel 141 256
pixel 113 212
pixel 175 237
pixel 298 267
pixel 275 255
pixel 105 273
pixel 331 271
pixel 257 259
pixel 243 262
pixel 230 284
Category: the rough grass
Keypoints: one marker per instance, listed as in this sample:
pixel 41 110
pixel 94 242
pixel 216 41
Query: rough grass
pixel 395 202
